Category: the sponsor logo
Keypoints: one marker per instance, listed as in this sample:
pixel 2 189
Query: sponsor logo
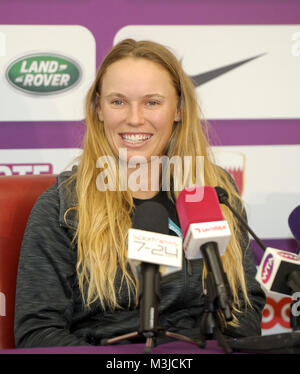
pixel 156 248
pixel 276 312
pixel 25 169
pixel 290 256
pixel 203 78
pixel 43 74
pixel 166 240
pixel 267 268
pixel 214 228
pixel 250 50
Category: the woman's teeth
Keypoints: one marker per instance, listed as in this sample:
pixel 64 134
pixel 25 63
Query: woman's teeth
pixel 135 138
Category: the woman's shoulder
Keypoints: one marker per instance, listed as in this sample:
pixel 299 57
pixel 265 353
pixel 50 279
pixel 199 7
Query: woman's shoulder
pixel 54 191
pixel 57 198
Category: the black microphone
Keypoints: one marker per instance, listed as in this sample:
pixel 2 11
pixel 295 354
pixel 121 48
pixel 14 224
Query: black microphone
pixel 150 251
pixel 150 217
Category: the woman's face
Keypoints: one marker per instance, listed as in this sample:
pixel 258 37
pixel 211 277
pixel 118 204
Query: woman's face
pixel 138 106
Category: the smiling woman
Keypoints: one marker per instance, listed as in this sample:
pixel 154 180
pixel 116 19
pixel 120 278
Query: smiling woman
pixel 141 106
pixel 138 106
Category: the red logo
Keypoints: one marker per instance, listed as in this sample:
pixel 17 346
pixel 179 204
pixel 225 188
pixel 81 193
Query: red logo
pixel 213 228
pixel 25 169
pixel 276 312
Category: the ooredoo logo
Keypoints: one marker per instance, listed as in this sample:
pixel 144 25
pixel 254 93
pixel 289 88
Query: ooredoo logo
pixel 267 268
pixel 43 74
pixel 276 312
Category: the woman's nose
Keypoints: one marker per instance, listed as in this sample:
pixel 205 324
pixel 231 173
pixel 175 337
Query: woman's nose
pixel 135 115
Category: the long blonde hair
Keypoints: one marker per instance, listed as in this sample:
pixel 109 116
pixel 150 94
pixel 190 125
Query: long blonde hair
pixel 104 217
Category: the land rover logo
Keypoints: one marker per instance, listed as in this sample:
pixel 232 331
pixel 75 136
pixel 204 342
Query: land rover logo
pixel 43 73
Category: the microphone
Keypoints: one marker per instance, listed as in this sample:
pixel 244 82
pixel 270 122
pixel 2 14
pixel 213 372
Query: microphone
pixel 294 224
pixel 201 220
pixel 278 271
pixel 206 234
pixel 150 244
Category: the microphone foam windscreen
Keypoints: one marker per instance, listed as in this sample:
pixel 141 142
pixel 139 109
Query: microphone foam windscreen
pixel 294 223
pixel 151 216
pixel 207 209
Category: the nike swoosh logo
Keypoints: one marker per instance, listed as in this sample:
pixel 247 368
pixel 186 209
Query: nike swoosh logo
pixel 203 78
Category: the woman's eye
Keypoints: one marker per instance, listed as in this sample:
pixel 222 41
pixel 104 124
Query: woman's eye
pixel 117 102
pixel 152 103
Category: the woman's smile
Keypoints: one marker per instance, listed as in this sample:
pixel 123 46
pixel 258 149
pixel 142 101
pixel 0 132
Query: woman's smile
pixel 135 140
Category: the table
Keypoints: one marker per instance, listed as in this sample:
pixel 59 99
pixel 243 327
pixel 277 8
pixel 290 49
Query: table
pixel 170 348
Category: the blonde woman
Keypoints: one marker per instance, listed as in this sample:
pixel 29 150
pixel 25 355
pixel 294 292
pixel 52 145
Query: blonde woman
pixel 75 285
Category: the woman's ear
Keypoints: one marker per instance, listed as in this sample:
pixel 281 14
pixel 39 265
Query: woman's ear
pixel 178 114
pixel 177 117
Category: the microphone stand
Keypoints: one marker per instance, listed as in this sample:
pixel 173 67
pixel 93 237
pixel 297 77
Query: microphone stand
pixel 149 297
pixel 217 297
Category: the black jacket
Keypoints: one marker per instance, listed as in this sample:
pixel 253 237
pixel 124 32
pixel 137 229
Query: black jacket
pixel 49 310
